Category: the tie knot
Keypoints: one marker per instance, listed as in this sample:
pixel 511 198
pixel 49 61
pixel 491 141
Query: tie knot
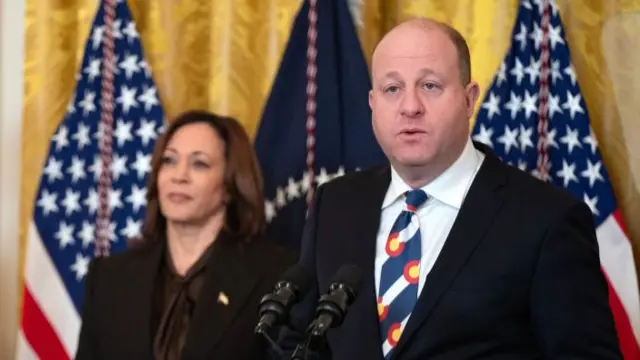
pixel 415 198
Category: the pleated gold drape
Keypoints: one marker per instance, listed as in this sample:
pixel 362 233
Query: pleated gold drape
pixel 222 55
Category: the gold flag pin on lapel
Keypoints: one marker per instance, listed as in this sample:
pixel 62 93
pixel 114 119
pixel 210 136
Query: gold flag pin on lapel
pixel 223 298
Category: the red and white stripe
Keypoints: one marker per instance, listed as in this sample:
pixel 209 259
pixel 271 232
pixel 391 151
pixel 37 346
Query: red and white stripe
pixel 616 257
pixel 50 324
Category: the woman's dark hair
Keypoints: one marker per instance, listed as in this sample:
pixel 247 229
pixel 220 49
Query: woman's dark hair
pixel 245 216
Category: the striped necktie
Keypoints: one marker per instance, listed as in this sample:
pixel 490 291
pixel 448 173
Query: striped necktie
pixel 398 288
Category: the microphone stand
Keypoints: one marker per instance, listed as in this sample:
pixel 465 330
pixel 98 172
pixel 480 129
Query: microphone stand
pixel 300 352
pixel 314 341
pixel 330 312
pixel 274 347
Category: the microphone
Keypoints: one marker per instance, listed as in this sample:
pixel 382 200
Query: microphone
pixel 333 306
pixel 331 310
pixel 274 307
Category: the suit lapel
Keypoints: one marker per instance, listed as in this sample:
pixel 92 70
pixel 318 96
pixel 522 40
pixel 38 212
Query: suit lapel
pixel 229 280
pixel 475 217
pixel 363 252
pixel 142 282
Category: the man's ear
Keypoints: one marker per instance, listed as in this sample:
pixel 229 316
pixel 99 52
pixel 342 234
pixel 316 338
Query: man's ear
pixel 371 99
pixel 472 92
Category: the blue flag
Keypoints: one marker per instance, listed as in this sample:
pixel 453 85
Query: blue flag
pixel 343 133
pixel 63 232
pixel 509 121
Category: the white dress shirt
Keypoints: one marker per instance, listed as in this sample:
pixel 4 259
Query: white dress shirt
pixel 437 215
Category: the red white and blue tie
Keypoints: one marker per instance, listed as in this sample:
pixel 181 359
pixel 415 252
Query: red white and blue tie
pixel 398 288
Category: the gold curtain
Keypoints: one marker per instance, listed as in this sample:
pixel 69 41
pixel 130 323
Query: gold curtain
pixel 218 55
pixel 605 49
pixel 222 55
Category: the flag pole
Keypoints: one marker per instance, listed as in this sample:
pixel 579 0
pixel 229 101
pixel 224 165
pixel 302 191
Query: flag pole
pixel 312 69
pixel 105 131
pixel 543 106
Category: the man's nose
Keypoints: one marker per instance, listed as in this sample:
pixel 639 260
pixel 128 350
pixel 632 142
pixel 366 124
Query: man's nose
pixel 412 105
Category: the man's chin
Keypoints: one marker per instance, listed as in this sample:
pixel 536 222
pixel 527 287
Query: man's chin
pixel 411 163
pixel 414 159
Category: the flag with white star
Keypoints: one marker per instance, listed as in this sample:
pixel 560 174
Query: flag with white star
pixel 62 233
pixel 332 88
pixel 508 121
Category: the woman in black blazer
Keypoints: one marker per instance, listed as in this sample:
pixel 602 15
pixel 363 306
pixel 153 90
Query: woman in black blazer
pixel 190 287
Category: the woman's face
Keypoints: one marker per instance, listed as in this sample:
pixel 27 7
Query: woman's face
pixel 191 176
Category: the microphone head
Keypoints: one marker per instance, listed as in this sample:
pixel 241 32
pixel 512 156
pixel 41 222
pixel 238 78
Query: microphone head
pixel 297 277
pixel 333 306
pixel 348 277
pixel 274 307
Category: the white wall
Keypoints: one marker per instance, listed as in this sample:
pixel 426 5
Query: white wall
pixel 11 56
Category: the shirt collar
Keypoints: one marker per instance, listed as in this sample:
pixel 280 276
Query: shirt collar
pixel 450 187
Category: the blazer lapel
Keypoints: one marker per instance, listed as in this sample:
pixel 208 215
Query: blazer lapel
pixel 142 283
pixel 475 217
pixel 230 279
pixel 362 253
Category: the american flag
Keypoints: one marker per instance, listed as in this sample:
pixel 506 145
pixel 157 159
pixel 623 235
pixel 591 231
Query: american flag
pixel 536 91
pixel 63 232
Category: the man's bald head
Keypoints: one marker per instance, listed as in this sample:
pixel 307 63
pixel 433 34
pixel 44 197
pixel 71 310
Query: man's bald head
pixel 424 26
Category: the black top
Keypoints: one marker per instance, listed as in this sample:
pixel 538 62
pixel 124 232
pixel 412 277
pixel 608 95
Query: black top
pixel 175 300
pixel 124 306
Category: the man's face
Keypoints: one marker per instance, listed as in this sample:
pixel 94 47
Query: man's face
pixel 420 107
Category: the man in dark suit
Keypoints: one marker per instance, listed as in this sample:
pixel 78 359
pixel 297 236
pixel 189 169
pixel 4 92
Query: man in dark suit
pixel 463 256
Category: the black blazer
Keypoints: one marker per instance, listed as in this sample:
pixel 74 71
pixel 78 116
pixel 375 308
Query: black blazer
pixel 118 303
pixel 519 276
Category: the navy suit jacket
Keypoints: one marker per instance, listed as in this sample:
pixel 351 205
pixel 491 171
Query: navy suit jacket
pixel 519 276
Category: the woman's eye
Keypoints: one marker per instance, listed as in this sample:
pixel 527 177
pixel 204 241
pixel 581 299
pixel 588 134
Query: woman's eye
pixel 200 164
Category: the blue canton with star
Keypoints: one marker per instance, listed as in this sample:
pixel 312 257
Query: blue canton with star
pixel 507 120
